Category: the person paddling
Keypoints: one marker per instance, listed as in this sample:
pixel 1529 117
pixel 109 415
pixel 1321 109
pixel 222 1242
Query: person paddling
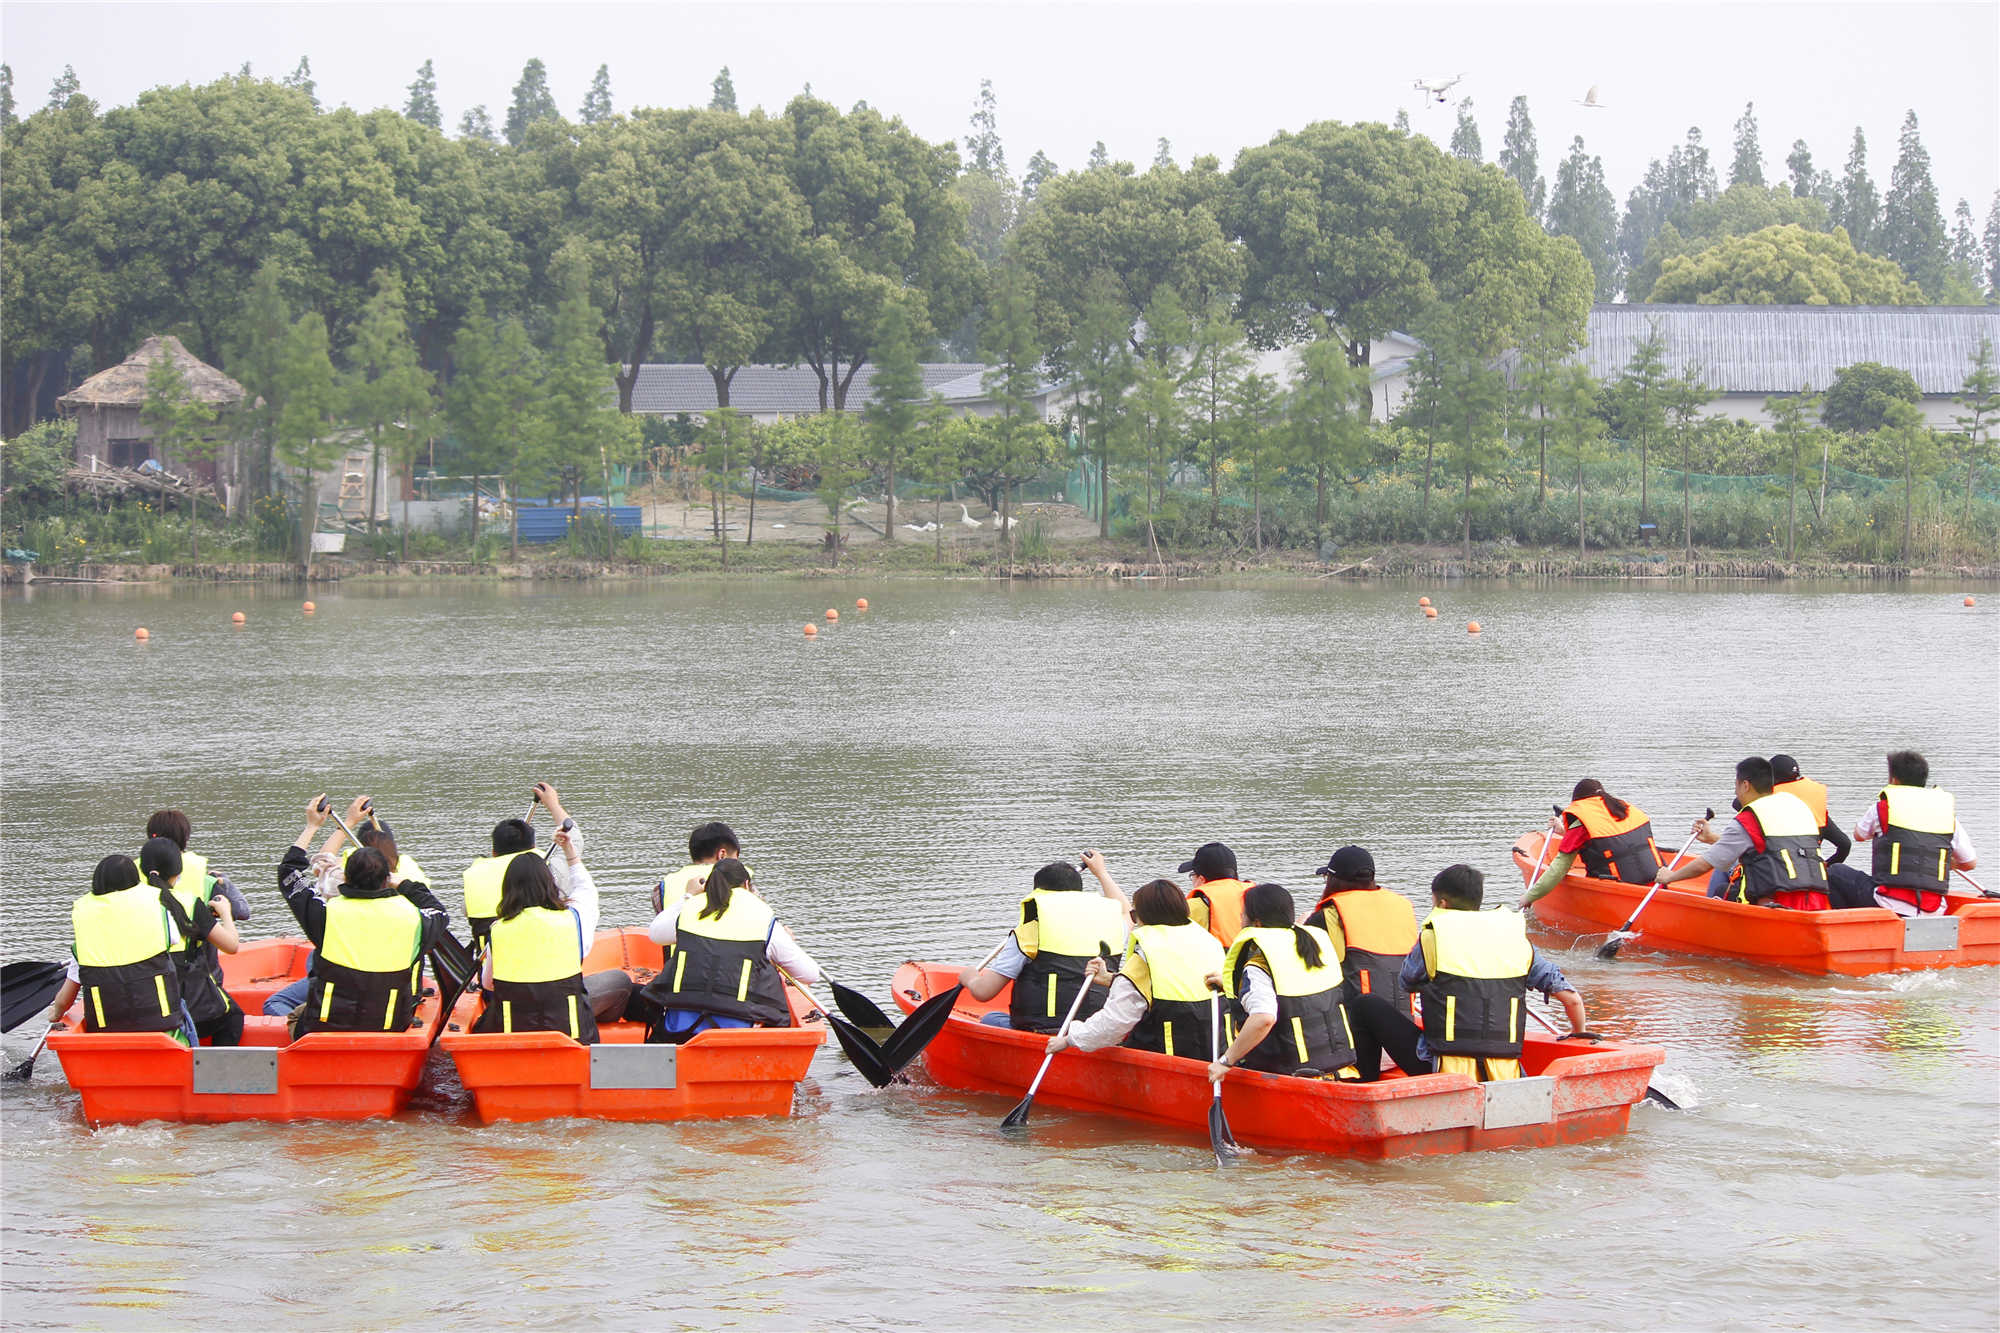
pixel 1614 838
pixel 726 949
pixel 510 838
pixel 1774 838
pixel 534 969
pixel 1059 930
pixel 707 844
pixel 1286 982
pixel 1157 999
pixel 129 932
pixel 1918 840
pixel 217 1018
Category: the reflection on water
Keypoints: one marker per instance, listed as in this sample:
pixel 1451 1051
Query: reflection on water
pixel 896 781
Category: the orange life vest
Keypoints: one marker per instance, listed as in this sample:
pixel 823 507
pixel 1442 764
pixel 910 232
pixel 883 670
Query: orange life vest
pixel 1380 928
pixel 1225 907
pixel 1812 793
pixel 1620 849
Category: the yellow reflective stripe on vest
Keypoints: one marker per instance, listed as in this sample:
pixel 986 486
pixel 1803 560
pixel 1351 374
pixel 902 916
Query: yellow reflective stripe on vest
pixel 747 917
pixel 1487 945
pixel 1178 959
pixel 1280 949
pixel 1074 923
pixel 482 884
pixel 372 934
pixel 159 989
pixel 122 928
pixel 537 944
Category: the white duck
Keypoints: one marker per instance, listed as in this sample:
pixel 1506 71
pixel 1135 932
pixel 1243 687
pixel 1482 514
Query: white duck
pixel 1003 525
pixel 966 519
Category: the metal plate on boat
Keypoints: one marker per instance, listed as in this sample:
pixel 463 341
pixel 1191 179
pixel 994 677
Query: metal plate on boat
pixel 1929 934
pixel 236 1070
pixel 634 1066
pixel 1519 1101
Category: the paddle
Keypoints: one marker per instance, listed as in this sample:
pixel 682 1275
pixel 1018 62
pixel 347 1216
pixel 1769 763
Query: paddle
pixel 1653 1094
pixel 26 1069
pixel 25 990
pixel 861 1049
pixel 1547 842
pixel 1219 1138
pixel 1984 893
pixel 1609 949
pixel 859 1009
pixel 1018 1117
pixel 926 1021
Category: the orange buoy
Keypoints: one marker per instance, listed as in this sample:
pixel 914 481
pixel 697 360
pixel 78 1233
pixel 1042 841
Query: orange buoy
pixel 310 608
pixel 812 630
pixel 861 604
pixel 1430 613
pixel 236 619
pixel 1970 602
pixel 1423 601
pixel 1472 627
pixel 832 614
pixel 140 634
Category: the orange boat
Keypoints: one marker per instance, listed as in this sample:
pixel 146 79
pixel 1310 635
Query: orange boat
pixel 126 1077
pixel 715 1075
pixel 1574 1091
pixel 1851 942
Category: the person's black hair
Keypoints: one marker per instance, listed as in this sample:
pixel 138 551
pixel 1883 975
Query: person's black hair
pixel 381 839
pixel 1756 770
pixel 1270 906
pixel 1907 768
pixel 513 835
pixel 1459 887
pixel 711 838
pixel 160 860
pixel 1160 902
pixel 1590 787
pixel 114 873
pixel 1059 877
pixel 366 871
pixel 169 824
pixel 528 882
pixel 729 875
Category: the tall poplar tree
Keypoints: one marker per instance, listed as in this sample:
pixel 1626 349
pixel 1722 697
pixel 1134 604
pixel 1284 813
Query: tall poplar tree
pixel 1912 225
pixel 306 423
pixel 1465 135
pixel 1746 166
pixel 1857 206
pixel 388 392
pixel 532 102
pixel 179 422
pixel 1582 208
pixel 1520 160
pixel 596 108
pixel 491 404
pixel 895 400
pixel 423 104
pixel 722 92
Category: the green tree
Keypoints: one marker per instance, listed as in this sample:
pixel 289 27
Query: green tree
pixel 1639 404
pixel 1965 278
pixel 1808 183
pixel 1991 236
pixel 1543 378
pixel 306 423
pixel 491 404
pixel 1858 208
pixel 725 448
pixel 1041 169
pixel 1981 400
pixel 1907 445
pixel 1519 158
pixel 256 361
pixel 1327 410
pixel 66 88
pixel 837 449
pixel 1783 266
pixel 180 423
pixel 1912 226
pixel 423 104
pixel 937 457
pixel 1099 159
pixel 388 392
pixel 1158 414
pixel 596 108
pixel 1100 359
pixel 1256 441
pixel 1581 207
pixel 301 78
pixel 1685 397
pixel 1746 167
pixel 1018 444
pixel 584 432
pixel 1218 356
pixel 1792 424
pixel 1465 144
pixel 1577 432
pixel 477 125
pixel 532 102
pixel 7 114
pixel 984 151
pixel 1859 398
pixel 897 400
pixel 722 92
pixel 1738 211
pixel 33 464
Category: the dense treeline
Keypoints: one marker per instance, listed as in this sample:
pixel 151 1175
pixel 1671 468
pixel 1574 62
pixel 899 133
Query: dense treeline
pixel 368 271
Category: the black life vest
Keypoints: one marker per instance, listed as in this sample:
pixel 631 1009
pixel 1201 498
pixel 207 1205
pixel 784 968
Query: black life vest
pixel 1474 1001
pixel 1784 849
pixel 368 967
pixel 1176 960
pixel 538 975
pixel 198 961
pixel 1620 849
pixel 1071 927
pixel 126 947
pixel 1913 852
pixel 1311 1036
pixel 722 965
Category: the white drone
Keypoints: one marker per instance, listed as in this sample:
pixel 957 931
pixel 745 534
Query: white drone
pixel 1435 86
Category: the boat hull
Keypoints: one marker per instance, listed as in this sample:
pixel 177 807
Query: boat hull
pixel 1682 918
pixel 1589 1089
pixel 128 1077
pixel 721 1074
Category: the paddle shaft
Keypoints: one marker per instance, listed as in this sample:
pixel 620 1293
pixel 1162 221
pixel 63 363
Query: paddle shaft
pixel 1068 1018
pixel 1547 843
pixel 1973 882
pixel 1215 1038
pixel 1658 886
pixel 26 1069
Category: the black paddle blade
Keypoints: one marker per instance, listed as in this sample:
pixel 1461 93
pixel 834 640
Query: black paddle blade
pixel 1018 1117
pixel 1609 949
pixel 862 1052
pixel 925 1022
pixel 1655 1095
pixel 860 1010
pixel 25 990
pixel 455 968
pixel 26 1069
pixel 1227 1149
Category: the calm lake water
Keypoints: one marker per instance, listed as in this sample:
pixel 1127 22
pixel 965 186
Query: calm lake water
pixel 896 781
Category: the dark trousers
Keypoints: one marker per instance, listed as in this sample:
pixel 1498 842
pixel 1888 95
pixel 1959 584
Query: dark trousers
pixel 1379 1026
pixel 224 1029
pixel 1847 886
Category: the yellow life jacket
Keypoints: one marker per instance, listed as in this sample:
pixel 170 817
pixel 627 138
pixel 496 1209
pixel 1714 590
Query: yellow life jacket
pixel 369 965
pixel 197 961
pixel 1913 851
pixel 125 949
pixel 1812 793
pixel 407 868
pixel 1784 849
pixel 538 975
pixel 1174 962
pixel 1478 964
pixel 1311 1036
pixel 1069 928
pixel 721 965
pixel 482 889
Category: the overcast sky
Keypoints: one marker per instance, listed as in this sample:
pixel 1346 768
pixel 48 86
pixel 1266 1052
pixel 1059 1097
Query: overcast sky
pixel 1211 78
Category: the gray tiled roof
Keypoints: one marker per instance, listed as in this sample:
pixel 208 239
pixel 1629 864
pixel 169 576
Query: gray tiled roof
pixel 669 389
pixel 1782 349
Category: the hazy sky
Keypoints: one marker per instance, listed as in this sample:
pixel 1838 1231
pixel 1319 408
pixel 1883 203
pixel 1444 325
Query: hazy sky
pixel 1211 78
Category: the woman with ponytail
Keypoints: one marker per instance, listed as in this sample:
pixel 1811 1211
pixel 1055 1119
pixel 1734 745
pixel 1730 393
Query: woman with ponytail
pixel 727 949
pixel 130 932
pixel 1614 838
pixel 211 927
pixel 1285 980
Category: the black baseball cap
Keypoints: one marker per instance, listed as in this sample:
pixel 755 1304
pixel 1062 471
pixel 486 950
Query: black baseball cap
pixel 1211 861
pixel 1350 863
pixel 1784 768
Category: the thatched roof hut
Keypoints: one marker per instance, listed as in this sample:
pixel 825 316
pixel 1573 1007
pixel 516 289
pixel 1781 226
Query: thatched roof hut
pixel 106 406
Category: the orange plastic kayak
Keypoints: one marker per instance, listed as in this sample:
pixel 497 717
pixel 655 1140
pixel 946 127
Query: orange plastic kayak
pixel 1574 1091
pixel 126 1077
pixel 1850 942
pixel 715 1075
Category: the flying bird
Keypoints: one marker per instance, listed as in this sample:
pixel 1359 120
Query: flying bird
pixel 1590 99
